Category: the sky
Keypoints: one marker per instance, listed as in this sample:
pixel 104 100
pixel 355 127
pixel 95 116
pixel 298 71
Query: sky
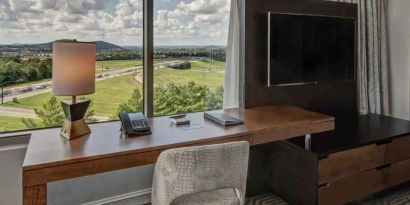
pixel 176 22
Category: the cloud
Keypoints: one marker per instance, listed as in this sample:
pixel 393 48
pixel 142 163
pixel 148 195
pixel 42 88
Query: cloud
pixel 121 21
pixel 203 6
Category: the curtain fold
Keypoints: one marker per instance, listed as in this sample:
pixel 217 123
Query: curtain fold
pixel 373 56
pixel 231 83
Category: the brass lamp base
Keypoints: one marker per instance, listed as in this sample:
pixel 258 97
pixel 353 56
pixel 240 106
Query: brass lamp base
pixel 72 130
pixel 74 125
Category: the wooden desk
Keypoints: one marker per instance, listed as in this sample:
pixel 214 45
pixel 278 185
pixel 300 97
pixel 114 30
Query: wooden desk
pixel 51 158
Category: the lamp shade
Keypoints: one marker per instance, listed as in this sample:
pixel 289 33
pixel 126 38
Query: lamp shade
pixel 73 68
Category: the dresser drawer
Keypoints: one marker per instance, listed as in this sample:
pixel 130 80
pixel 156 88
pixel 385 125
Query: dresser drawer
pixel 351 161
pixel 398 149
pixel 397 173
pixel 351 188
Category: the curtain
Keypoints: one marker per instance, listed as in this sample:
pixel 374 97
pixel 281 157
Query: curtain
pixel 231 85
pixel 373 57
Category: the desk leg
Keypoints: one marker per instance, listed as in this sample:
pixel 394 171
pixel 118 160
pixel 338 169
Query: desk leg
pixel 308 141
pixel 35 195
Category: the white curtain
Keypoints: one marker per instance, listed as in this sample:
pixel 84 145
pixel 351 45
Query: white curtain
pixel 373 59
pixel 231 87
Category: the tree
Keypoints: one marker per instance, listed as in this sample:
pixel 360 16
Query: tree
pixel 184 98
pixel 32 74
pixel 176 98
pixel 51 115
pixel 134 104
pixel 214 100
pixel 45 68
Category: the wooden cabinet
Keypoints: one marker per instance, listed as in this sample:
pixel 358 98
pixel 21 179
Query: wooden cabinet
pixel 340 177
pixel 351 188
pixel 397 173
pixel 352 161
pixel 398 149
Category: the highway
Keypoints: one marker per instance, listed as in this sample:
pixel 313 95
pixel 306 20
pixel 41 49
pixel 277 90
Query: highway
pixel 45 87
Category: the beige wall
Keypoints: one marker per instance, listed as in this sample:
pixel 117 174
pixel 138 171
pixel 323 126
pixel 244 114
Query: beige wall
pixel 399 31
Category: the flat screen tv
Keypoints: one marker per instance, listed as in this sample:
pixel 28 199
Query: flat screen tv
pixel 304 49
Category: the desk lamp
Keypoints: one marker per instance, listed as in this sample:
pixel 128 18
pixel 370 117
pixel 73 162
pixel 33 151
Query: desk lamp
pixel 74 75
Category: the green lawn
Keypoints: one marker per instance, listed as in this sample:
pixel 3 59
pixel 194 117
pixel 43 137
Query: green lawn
pixel 114 91
pixel 200 64
pixel 116 64
pixel 109 94
pixel 11 123
pixel 209 79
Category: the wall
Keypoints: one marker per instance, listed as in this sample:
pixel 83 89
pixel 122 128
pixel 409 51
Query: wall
pixel 333 98
pixel 399 33
pixel 102 188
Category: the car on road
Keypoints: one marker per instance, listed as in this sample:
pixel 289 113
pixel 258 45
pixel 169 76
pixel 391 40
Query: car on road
pixel 39 87
pixel 25 90
pixel 6 92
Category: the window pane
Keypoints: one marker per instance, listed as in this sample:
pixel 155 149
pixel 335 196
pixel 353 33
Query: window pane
pixel 190 38
pixel 26 35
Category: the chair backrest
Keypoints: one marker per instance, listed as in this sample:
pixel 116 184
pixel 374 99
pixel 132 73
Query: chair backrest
pixel 197 169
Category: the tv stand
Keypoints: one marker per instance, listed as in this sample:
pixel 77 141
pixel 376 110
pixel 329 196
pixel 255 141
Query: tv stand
pixel 363 156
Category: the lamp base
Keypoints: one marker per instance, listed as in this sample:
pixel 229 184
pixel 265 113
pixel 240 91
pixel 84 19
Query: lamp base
pixel 74 125
pixel 72 130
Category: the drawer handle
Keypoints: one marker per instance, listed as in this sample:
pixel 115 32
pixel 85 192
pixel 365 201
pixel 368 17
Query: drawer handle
pixel 383 167
pixel 324 185
pixel 384 142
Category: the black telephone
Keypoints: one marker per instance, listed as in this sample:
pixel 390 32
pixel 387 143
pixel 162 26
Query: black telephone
pixel 134 124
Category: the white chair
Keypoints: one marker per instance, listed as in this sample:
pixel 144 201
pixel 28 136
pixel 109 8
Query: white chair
pixel 201 175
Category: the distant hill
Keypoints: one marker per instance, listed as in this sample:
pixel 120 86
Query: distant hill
pixel 101 46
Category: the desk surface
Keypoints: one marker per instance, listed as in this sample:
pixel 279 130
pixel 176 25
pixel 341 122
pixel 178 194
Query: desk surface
pixel 47 148
pixel 355 132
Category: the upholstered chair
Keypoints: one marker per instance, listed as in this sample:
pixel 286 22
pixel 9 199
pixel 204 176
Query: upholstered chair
pixel 201 175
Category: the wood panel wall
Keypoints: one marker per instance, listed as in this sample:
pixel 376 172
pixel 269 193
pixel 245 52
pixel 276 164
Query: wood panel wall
pixel 334 98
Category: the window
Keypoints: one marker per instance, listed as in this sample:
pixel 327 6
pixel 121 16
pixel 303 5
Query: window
pixel 190 38
pixel 27 31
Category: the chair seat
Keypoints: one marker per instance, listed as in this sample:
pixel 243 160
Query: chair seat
pixel 215 197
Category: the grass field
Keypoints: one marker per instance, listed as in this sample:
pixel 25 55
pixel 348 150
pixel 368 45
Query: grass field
pixel 109 94
pixel 116 64
pixel 209 79
pixel 114 91
pixel 208 65
pixel 11 123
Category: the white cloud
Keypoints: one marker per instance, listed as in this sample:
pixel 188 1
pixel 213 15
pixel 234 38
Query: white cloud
pixel 121 21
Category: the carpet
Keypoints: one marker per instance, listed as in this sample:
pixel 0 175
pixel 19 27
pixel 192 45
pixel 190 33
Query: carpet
pixel 400 197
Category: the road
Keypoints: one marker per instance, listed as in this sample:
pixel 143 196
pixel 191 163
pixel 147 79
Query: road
pixel 44 87
pixel 17 112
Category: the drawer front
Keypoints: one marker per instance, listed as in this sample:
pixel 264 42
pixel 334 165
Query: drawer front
pixel 351 161
pixel 398 149
pixel 397 173
pixel 351 188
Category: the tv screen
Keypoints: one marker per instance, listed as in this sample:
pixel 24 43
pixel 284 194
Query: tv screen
pixel 310 49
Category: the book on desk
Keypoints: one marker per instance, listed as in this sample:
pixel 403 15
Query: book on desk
pixel 222 118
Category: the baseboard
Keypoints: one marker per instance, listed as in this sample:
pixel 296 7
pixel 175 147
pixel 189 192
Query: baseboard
pixel 140 197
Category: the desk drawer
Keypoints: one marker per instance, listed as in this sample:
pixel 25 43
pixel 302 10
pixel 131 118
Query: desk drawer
pixel 351 188
pixel 351 161
pixel 398 149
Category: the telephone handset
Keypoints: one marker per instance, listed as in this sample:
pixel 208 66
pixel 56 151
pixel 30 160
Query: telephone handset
pixel 134 123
